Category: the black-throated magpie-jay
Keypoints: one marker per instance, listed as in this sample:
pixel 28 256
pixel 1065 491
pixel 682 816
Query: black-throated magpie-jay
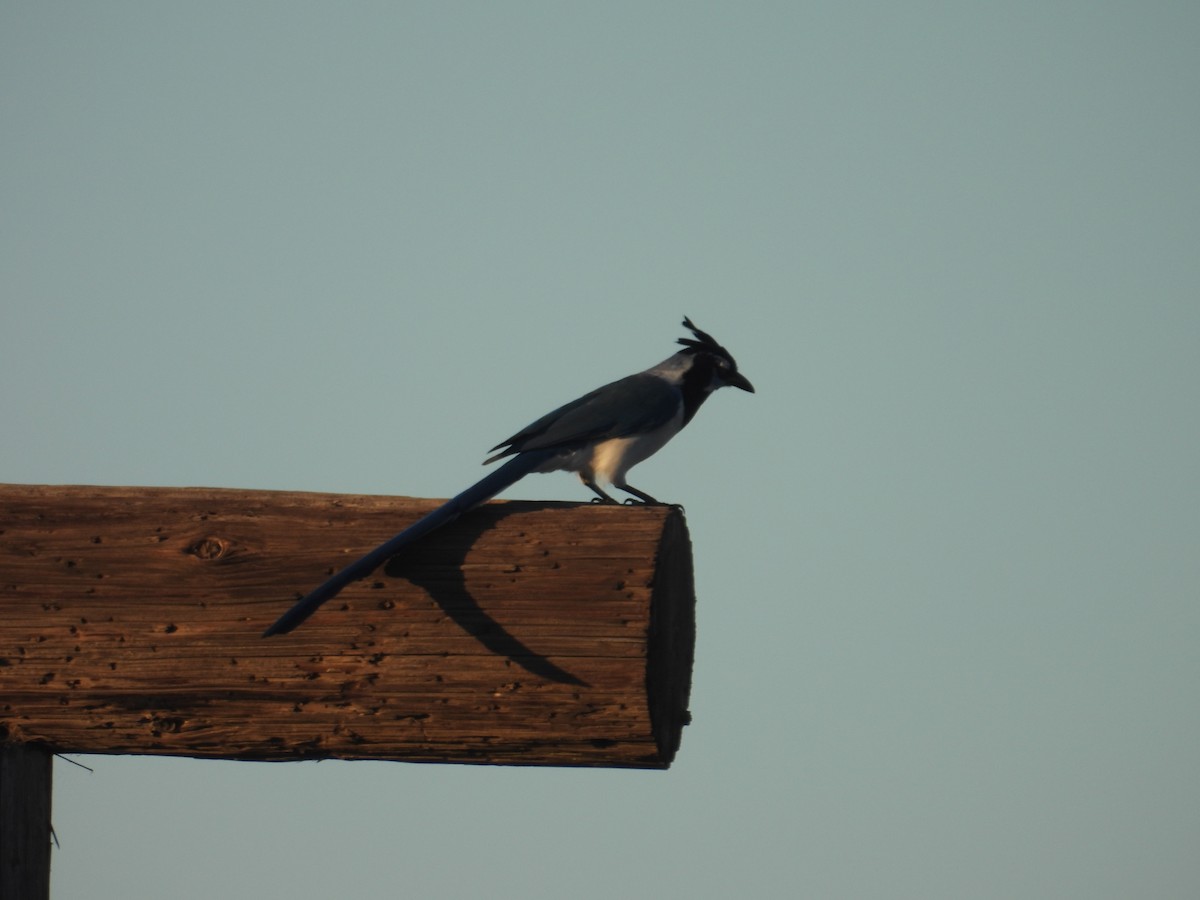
pixel 600 436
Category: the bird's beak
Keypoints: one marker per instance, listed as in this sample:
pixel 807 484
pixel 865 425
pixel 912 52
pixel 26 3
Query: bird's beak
pixel 738 380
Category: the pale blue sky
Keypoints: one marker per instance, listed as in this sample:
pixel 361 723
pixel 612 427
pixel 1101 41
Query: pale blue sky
pixel 947 556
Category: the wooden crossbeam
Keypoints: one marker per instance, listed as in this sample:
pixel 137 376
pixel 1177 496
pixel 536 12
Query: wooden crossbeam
pixel 525 633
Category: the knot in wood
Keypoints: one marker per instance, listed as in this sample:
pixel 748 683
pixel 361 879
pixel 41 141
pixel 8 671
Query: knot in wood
pixel 209 548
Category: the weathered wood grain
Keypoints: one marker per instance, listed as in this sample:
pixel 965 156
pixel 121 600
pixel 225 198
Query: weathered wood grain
pixel 525 633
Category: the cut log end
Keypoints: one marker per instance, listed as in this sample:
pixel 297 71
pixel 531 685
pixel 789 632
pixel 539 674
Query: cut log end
pixel 672 641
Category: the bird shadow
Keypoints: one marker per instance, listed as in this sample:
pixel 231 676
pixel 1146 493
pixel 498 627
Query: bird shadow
pixel 441 576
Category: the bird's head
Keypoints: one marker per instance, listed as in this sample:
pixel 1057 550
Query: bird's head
pixel 712 362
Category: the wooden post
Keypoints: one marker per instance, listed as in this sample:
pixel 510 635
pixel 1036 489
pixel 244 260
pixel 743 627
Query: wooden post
pixel 25 775
pixel 524 633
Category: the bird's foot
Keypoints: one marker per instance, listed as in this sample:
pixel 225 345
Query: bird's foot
pixel 650 501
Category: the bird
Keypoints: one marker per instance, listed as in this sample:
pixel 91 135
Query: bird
pixel 600 437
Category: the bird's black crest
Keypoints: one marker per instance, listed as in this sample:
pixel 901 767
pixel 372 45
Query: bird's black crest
pixel 704 342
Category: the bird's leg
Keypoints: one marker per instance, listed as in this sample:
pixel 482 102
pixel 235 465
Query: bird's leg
pixel 641 495
pixel 601 497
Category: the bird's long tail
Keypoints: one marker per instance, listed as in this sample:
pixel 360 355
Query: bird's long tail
pixel 480 492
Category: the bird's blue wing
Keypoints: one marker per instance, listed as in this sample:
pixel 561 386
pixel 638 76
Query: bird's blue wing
pixel 632 405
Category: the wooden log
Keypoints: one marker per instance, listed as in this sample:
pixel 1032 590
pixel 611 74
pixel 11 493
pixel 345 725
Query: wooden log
pixel 25 778
pixel 524 633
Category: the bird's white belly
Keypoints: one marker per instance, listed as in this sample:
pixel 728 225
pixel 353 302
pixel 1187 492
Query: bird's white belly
pixel 612 459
